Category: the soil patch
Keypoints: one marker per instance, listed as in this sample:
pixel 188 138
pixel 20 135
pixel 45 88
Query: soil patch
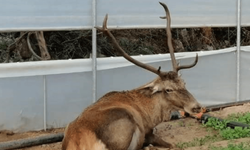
pixel 175 132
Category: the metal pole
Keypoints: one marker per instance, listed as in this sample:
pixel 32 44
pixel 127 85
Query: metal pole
pixel 94 50
pixel 238 48
pixel 44 103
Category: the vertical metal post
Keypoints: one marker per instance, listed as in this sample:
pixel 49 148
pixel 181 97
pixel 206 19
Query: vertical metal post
pixel 238 48
pixel 94 79
pixel 44 103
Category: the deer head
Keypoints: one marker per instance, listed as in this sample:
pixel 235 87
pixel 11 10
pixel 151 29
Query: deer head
pixel 169 84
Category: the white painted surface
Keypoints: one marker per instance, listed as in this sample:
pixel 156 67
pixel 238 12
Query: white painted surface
pixel 24 15
pixel 69 83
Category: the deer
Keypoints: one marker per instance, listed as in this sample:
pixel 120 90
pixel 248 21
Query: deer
pixel 125 120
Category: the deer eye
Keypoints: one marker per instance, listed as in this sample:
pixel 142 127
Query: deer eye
pixel 169 90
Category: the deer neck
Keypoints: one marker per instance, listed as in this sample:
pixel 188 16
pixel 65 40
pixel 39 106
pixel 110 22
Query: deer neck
pixel 153 108
pixel 162 110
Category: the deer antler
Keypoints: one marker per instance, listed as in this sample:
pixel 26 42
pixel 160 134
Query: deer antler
pixel 176 68
pixel 124 54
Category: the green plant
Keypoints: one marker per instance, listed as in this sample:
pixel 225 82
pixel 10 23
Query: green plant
pixel 240 117
pixel 229 133
pixel 216 123
pixel 237 132
pixel 240 146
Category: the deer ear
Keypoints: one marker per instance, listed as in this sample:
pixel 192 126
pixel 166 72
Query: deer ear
pixel 154 88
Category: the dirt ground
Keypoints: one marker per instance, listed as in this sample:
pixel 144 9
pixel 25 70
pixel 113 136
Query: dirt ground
pixel 176 131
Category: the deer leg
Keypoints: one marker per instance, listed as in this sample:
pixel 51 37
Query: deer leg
pixel 155 140
pixel 119 131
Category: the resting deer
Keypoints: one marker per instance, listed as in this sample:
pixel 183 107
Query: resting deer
pixel 125 120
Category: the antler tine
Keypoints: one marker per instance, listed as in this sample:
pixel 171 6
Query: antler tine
pixel 124 54
pixel 104 25
pixel 188 66
pixel 169 37
pixel 176 68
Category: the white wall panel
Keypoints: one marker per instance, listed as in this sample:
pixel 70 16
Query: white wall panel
pixel 67 96
pixel 69 87
pixel 16 15
pixel 21 103
pixel 245 11
pixel 245 74
pixel 146 13
pixel 213 80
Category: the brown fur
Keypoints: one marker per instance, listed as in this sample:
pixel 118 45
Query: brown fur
pixel 117 117
pixel 125 120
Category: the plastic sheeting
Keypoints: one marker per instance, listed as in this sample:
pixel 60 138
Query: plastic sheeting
pixel 27 102
pixel 50 94
pixel 16 15
pixel 245 74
